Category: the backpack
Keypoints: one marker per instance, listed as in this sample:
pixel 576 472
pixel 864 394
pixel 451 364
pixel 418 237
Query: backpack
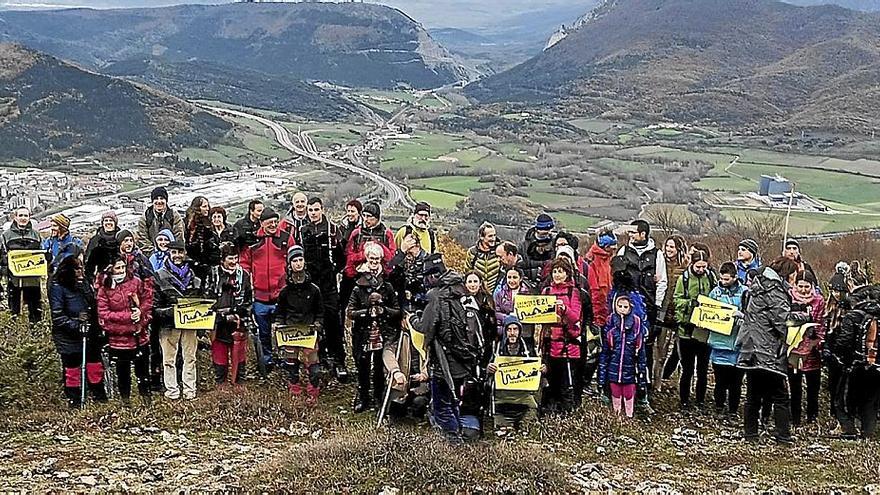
pixel 461 332
pixel 868 343
pixel 432 236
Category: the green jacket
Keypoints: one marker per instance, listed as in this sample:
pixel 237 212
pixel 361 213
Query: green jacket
pixel 688 287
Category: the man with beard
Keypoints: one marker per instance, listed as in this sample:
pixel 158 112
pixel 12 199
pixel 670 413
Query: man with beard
pixel 646 265
pixel 322 247
pixel 102 246
pixel 419 224
pixel 537 248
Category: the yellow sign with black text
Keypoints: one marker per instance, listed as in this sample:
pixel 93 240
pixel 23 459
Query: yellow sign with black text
pixel 713 315
pixel 517 373
pixel 302 336
pixel 194 314
pixel 535 309
pixel 28 263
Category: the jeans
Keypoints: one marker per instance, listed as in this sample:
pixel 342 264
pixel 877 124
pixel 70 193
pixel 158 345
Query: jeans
pixel 31 297
pixel 264 313
pixel 444 408
pixel 694 355
pixel 796 383
pixel 124 359
pixel 188 342
pixel 762 385
pixel 728 387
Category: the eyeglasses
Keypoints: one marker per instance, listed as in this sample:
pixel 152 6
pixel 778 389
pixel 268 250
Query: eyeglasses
pixel 374 258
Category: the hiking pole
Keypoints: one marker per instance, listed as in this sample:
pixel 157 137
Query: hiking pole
pixel 788 217
pixel 390 383
pixel 84 330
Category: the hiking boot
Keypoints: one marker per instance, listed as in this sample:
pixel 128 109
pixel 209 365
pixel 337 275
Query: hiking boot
pixel 313 392
pixel 784 441
pixel 295 389
pixel 146 400
pixel 361 406
pixel 342 374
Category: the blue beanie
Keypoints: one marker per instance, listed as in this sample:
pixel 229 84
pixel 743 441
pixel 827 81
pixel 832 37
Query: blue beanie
pixel 511 320
pixel 606 240
pixel 544 222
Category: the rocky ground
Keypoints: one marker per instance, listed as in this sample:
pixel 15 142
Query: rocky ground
pixel 259 438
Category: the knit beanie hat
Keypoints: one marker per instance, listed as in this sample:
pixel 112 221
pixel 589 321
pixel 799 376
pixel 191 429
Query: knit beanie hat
pixel 372 208
pixel 838 283
pixel 544 222
pixel 750 245
pixel 159 192
pixel 566 251
pixel 111 215
pixel 606 240
pixel 294 252
pixel 268 214
pixel 167 233
pixel 793 242
pixel 422 206
pixel 122 235
pixel 357 205
pixel 62 220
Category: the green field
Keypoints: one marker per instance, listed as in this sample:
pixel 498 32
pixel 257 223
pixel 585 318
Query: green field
pixel 595 126
pixel 437 199
pixel 209 156
pixel 575 221
pixel 815 223
pixel 420 150
pixel 820 184
pixel 455 184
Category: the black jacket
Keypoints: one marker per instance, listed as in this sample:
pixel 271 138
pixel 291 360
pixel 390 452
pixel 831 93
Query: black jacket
pixel 234 295
pixel 360 309
pixel 99 251
pixel 212 245
pixel 244 232
pixel 535 252
pixel 67 303
pixel 300 303
pixel 323 250
pixel 167 295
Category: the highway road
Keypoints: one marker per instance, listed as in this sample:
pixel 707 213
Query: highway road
pixel 395 194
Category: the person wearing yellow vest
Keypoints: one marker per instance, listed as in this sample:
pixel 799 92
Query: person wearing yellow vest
pixel 419 225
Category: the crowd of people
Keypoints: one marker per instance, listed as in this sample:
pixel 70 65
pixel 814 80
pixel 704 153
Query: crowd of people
pixel 426 339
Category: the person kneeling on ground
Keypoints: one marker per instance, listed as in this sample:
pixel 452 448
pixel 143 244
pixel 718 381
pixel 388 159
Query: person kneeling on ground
pixel 623 361
pixel 511 406
pixel 230 286
pixel 300 304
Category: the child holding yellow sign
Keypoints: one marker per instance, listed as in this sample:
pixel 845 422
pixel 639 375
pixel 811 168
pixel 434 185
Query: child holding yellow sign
pixel 299 307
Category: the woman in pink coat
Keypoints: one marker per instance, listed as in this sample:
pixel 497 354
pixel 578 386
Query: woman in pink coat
pixel 806 361
pixel 561 341
pixel 124 314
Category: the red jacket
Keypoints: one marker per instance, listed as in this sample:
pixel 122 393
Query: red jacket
pixel 114 313
pixel 599 279
pixel 354 248
pixel 812 342
pixel 266 260
pixel 564 336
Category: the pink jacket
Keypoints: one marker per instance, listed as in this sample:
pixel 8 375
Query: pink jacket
pixel 564 335
pixel 114 313
pixel 809 347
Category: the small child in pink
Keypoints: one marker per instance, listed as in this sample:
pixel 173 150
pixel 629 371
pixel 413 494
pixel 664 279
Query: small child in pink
pixel 623 362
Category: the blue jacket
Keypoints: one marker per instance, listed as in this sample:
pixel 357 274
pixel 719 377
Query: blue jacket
pixel 742 270
pixel 58 249
pixel 724 349
pixel 639 308
pixel 66 304
pixel 623 359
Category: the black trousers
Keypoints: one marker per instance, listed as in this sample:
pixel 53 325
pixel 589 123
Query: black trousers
pixel 31 296
pixel 728 387
pixel 762 385
pixel 796 384
pixel 694 358
pixel 334 333
pixel 835 374
pixel 858 398
pixel 563 377
pixel 124 359
pixel 370 371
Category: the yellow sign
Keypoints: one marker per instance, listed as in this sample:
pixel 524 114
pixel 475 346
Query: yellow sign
pixel 517 373
pixel 535 309
pixel 194 314
pixel 796 335
pixel 302 336
pixel 28 263
pixel 713 315
pixel 418 341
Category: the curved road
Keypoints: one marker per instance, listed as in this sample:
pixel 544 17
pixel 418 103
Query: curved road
pixel 395 194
